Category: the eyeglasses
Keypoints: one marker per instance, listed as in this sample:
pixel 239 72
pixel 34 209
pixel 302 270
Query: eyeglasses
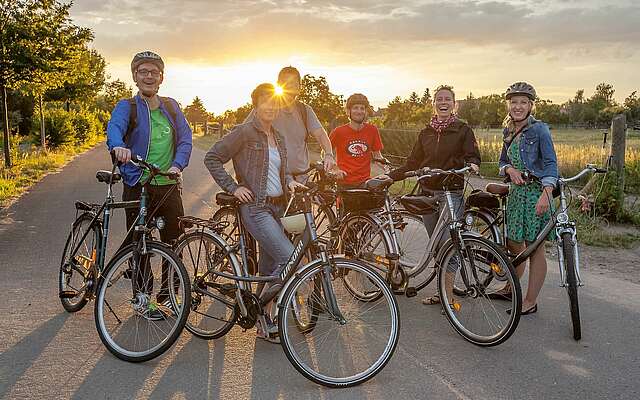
pixel 146 72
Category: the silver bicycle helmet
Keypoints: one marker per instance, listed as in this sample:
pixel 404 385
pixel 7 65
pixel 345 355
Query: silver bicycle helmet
pixel 144 57
pixel 521 88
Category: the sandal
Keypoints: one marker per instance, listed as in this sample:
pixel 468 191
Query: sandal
pixel 429 301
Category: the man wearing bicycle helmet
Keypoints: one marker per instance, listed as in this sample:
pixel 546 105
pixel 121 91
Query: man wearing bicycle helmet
pixel 356 144
pixel 155 129
pixel 527 147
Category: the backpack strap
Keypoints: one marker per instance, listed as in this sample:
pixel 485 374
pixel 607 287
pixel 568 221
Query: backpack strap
pixel 133 119
pixel 170 107
pixel 302 109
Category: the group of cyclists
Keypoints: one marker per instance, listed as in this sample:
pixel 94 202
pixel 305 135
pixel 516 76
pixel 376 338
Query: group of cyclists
pixel 271 147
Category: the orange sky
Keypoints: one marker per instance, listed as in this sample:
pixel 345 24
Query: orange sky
pixel 220 50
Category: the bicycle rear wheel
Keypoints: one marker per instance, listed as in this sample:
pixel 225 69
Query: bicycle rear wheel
pixel 211 316
pixel 413 239
pixel 352 341
pixel 141 309
pixel 362 239
pixel 231 234
pixel 77 273
pixel 572 283
pixel 478 312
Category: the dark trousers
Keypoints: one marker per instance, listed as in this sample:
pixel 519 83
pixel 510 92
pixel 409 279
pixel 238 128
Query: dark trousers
pixel 170 209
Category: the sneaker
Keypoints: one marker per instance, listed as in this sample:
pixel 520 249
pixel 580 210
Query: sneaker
pixel 168 308
pixel 270 333
pixel 153 313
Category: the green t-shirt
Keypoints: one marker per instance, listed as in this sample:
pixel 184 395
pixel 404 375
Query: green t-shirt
pixel 160 147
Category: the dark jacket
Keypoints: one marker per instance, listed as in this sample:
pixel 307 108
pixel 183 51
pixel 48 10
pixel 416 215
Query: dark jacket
pixel 452 149
pixel 248 147
pixel 141 134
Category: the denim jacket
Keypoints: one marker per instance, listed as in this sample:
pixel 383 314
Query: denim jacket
pixel 141 135
pixel 248 147
pixel 537 152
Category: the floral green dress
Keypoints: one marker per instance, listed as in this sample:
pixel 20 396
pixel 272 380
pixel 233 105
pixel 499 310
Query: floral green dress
pixel 522 222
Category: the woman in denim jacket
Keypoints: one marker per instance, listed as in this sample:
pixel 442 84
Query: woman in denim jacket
pixel 262 179
pixel 527 147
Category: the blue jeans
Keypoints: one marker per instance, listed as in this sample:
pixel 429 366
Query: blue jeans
pixel 274 247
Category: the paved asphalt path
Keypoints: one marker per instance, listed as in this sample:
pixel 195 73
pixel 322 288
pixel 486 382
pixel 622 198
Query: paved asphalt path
pixel 49 354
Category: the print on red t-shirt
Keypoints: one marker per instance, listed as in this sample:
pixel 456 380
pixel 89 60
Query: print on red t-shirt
pixel 353 150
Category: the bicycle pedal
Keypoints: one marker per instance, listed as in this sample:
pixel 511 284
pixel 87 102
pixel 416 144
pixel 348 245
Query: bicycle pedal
pixel 411 292
pixel 68 294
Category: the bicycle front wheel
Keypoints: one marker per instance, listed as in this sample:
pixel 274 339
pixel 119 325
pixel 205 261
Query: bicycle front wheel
pixel 142 303
pixel 352 340
pixel 213 311
pixel 477 308
pixel 572 283
pixel 77 273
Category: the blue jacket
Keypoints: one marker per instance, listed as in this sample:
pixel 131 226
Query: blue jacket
pixel 141 134
pixel 536 151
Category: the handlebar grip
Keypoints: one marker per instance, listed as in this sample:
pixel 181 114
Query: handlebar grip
pixel 600 171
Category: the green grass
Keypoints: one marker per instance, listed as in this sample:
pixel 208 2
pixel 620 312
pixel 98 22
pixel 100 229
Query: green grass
pixel 30 166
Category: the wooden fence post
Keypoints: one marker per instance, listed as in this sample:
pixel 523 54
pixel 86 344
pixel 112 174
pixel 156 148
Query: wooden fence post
pixel 618 145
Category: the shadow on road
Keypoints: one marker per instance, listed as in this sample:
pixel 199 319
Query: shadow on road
pixel 15 361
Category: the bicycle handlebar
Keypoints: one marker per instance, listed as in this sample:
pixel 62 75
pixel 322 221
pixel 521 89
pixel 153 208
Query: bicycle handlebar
pixel 153 169
pixel 429 172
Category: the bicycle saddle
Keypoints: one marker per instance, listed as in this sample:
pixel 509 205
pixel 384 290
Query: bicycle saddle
pixel 497 188
pixel 419 205
pixel 107 177
pixel 226 199
pixel 377 184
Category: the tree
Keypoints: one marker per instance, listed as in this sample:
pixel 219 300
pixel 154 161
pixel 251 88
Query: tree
pixel 549 112
pixel 425 100
pixel 315 92
pixel 84 81
pixel 37 44
pixel 632 107
pixel 196 112
pixel 113 92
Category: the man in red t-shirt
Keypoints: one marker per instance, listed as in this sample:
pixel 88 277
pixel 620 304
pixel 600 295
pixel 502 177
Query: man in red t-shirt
pixel 356 144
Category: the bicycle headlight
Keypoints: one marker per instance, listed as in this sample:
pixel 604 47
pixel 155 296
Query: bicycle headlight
pixel 160 224
pixel 468 219
pixel 562 218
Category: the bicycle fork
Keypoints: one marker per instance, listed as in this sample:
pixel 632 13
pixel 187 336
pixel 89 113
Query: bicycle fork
pixel 575 255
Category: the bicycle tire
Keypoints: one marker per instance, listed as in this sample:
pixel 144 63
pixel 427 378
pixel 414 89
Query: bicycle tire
pixel 83 264
pixel 306 309
pixel 362 239
pixel 414 232
pixel 361 337
pixel 572 283
pixel 495 324
pixel 141 303
pixel 196 249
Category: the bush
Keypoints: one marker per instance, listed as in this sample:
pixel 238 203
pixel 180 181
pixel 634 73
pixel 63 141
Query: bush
pixel 73 127
pixel 58 126
pixel 87 126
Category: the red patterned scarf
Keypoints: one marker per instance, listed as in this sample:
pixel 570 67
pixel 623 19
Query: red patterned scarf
pixel 440 126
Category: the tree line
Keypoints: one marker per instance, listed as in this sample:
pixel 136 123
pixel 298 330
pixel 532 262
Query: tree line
pixel 52 82
pixel 416 110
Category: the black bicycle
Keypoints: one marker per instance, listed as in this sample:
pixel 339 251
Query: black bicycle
pixel 330 336
pixel 142 295
pixel 486 213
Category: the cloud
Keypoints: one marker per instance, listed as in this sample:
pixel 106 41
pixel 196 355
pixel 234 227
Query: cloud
pixel 201 29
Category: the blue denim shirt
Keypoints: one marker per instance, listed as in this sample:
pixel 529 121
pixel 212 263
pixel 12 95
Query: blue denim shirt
pixel 537 152
pixel 141 135
pixel 248 147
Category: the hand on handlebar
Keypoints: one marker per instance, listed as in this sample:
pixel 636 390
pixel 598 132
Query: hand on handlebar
pixel 338 174
pixel 293 185
pixel 122 154
pixel 178 175
pixel 475 168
